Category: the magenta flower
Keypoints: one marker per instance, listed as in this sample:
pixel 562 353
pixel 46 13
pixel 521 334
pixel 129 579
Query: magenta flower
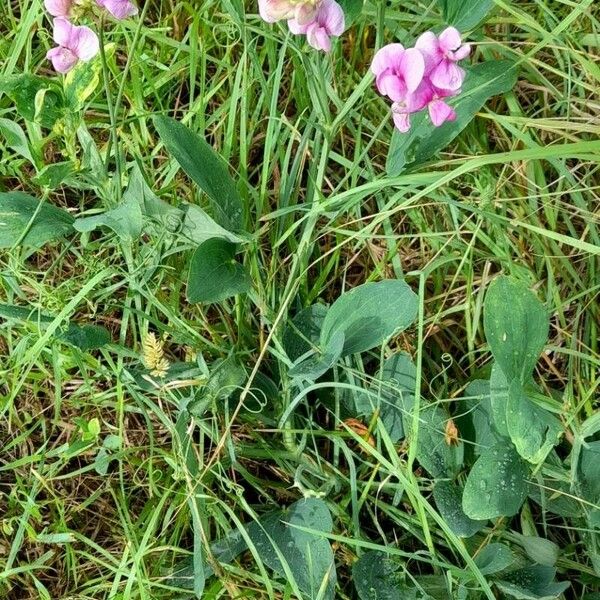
pixel 441 55
pixel 59 8
pixel 74 44
pixel 119 9
pixel 399 72
pixel 303 11
pixel 327 22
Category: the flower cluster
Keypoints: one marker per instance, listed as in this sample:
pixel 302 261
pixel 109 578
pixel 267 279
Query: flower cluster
pixel 422 77
pixel 78 42
pixel 318 20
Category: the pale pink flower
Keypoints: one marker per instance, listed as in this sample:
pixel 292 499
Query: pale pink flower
pixel 303 11
pixel 328 21
pixel 59 8
pixel 425 96
pixel 120 9
pixel 441 55
pixel 74 43
pixel 399 71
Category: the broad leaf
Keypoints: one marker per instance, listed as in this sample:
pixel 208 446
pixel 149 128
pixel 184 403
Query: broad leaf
pixel 541 551
pixel 369 314
pixel 125 219
pixel 475 420
pixel 205 167
pixel 589 471
pixel 516 327
pixel 392 394
pixel 81 82
pixel 302 334
pixel 313 367
pixel 309 556
pixel 497 484
pixel 533 430
pixel 215 274
pixel 532 583
pixel 494 558
pixel 499 399
pixel 16 139
pixel 379 577
pixel 438 457
pixel 36 98
pixel 465 14
pixel 483 81
pixel 18 210
pixel 448 499
pixel 86 337
pixel 198 227
pixel 352 10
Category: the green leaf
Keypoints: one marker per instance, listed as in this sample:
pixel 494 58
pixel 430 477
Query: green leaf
pixel 302 334
pixel 392 394
pixel 539 550
pixel 533 430
pixel 494 558
pixel 308 555
pixel 16 139
pixel 376 576
pixel 198 227
pixel 499 399
pixel 81 82
pixel 435 455
pixel 313 367
pixel 496 485
pixel 86 337
pixel 205 167
pixel 465 14
pixel 53 176
pixel 516 327
pixel 483 81
pixel 352 10
pixel 369 314
pixel 215 274
pixel 18 209
pixel 475 421
pixel 448 499
pixel 36 98
pixel 589 471
pixel 532 583
pixel 125 219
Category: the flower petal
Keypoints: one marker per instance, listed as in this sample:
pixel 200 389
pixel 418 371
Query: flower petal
pixel 296 27
pixel 429 45
pixel 87 44
pixel 63 60
pixel 447 76
pixel 331 16
pixel 63 31
pixel 462 52
pixel 412 67
pixel 387 58
pixel 440 112
pixel 402 122
pixel 392 86
pixel 318 38
pixel 58 8
pixel 450 39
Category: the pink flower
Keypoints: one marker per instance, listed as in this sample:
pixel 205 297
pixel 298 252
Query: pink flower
pixel 398 71
pixel 303 11
pixel 59 8
pixel 441 55
pixel 119 9
pixel 328 21
pixel 74 44
pixel 425 96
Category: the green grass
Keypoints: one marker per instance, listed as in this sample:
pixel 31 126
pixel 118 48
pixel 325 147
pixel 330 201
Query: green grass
pixel 306 136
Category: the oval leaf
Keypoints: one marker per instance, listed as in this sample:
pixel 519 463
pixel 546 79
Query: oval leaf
pixel 205 167
pixel 18 210
pixel 496 485
pixel 215 274
pixel 448 499
pixel 369 314
pixel 465 14
pixel 516 327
